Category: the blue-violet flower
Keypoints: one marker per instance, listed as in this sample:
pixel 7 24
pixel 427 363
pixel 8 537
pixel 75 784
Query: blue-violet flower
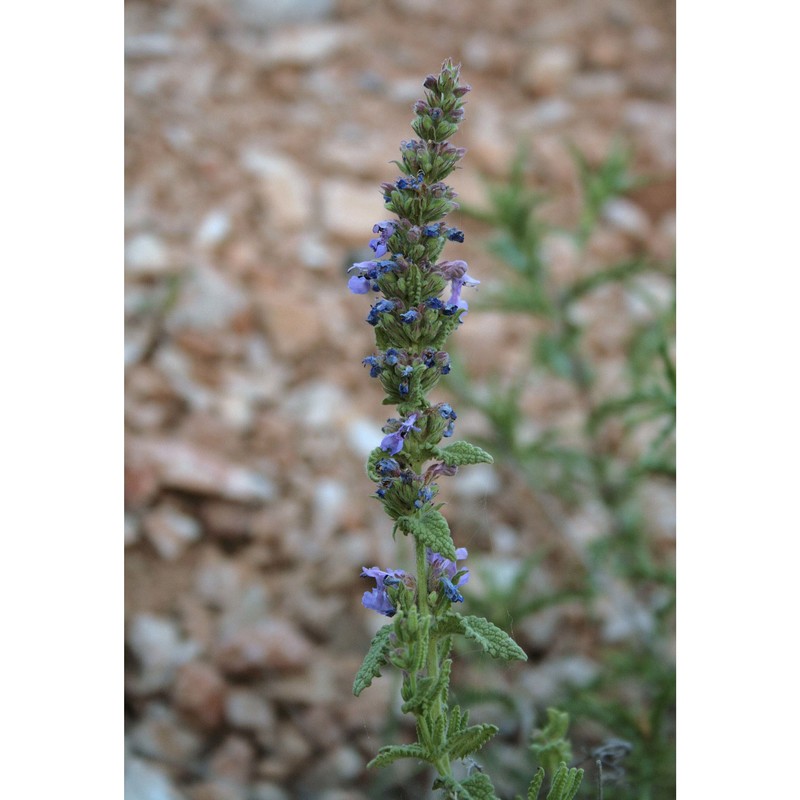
pixel 377 599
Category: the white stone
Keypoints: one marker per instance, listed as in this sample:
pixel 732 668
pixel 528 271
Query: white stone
pixel 156 643
pixel 149 45
pixel 214 228
pixel 627 217
pixel 314 254
pixel 160 735
pixel 284 188
pixel 656 122
pixel 170 531
pixel 268 791
pixel 190 468
pixel 363 436
pixel 546 113
pixel 349 210
pixel 132 530
pixel 592 85
pixel 315 404
pixel 219 581
pixel 264 14
pixel 208 300
pixel 247 709
pixel 146 782
pixel 586 526
pixel 304 46
pixel 476 480
pixel 548 69
pixel 624 616
pixel 330 499
pixel 176 366
pixel 146 254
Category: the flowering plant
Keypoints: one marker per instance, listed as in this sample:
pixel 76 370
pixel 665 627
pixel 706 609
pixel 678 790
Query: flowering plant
pixel 412 323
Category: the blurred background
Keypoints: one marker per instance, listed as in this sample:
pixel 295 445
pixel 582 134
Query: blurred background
pixel 257 134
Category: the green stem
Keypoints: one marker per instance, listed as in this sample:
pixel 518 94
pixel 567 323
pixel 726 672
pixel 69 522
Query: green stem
pixel 442 765
pixel 422 579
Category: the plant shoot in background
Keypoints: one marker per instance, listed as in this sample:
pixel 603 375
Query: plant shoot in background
pixel 624 447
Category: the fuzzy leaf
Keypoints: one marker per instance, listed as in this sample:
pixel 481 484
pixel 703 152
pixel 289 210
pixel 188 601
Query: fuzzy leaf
pixel 536 784
pixel 477 787
pixel 470 740
pixel 496 642
pixel 460 453
pixel 559 782
pixel 393 752
pixel 432 530
pixel 573 783
pixel 373 660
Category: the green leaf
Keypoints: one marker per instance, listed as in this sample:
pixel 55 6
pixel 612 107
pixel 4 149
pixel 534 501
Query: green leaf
pixel 393 752
pixel 374 659
pixel 559 783
pixel 477 787
pixel 470 740
pixel 432 530
pixel 496 642
pixel 573 783
pixel 460 453
pixel 550 745
pixel 536 784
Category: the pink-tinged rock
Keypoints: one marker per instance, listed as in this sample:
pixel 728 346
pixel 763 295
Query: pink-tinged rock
pixel 180 465
pixel 161 736
pixel 199 692
pixel 271 644
pixel 216 790
pixel 233 760
pixel 292 749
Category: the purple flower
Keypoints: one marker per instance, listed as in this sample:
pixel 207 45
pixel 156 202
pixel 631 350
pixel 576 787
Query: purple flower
pixel 390 357
pixel 384 230
pixel 374 366
pixel 446 411
pixel 409 316
pixel 424 495
pixel 387 466
pixel 381 307
pixel 454 235
pixel 457 284
pixel 439 468
pixel 393 443
pixel 444 571
pixel 358 284
pixel 450 591
pixel 377 599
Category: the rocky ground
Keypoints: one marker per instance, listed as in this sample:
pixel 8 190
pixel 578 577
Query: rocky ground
pixel 257 135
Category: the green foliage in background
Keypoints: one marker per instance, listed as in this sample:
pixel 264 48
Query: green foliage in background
pixel 633 696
